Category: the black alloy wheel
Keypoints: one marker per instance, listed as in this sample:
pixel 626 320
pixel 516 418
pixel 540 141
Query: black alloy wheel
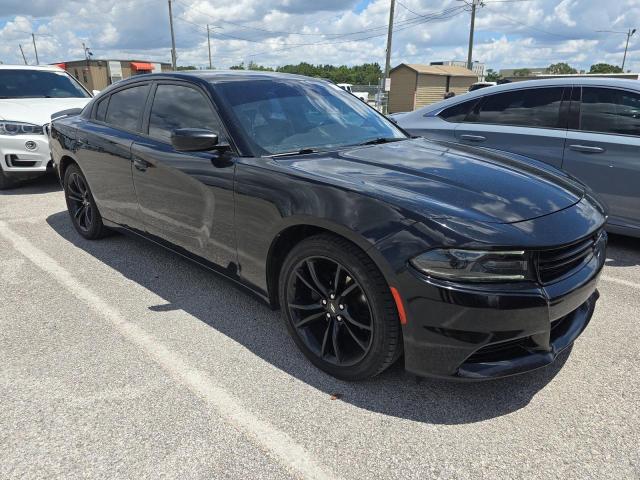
pixel 330 311
pixel 339 308
pixel 81 205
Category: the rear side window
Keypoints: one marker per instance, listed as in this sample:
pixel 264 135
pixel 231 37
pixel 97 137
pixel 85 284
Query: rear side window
pixel 533 107
pixel 101 110
pixel 458 113
pixel 176 106
pixel 606 110
pixel 126 107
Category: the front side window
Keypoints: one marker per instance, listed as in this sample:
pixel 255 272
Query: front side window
pixel 607 110
pixel 282 115
pixel 126 107
pixel 176 106
pixel 533 107
pixel 39 84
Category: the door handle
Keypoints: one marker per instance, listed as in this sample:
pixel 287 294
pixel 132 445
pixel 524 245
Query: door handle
pixel 586 149
pixel 473 138
pixel 141 165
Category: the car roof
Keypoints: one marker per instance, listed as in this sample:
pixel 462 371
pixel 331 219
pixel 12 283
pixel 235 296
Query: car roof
pixel 214 76
pixel 45 68
pixel 543 82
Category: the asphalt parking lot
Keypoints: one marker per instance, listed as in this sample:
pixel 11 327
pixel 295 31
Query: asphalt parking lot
pixel 121 360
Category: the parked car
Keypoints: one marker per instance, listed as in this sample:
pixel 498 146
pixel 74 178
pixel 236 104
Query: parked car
pixel 588 127
pixel 479 85
pixel 28 97
pixel 473 264
pixel 364 96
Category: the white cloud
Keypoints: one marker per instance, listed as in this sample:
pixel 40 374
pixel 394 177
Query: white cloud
pixel 277 32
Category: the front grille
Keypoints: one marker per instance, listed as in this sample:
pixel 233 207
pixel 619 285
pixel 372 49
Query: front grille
pixel 557 263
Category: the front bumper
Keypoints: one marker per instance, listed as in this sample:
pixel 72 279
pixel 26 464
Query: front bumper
pixel 16 160
pixel 479 332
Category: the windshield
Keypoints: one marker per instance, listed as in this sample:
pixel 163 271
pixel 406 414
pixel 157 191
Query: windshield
pixel 39 84
pixel 282 115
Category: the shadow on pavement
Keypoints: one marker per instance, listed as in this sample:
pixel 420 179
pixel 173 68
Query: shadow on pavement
pixel 199 292
pixel 45 184
pixel 623 251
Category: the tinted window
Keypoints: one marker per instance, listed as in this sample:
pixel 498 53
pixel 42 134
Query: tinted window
pixel 282 115
pixel 39 84
pixel 534 107
pixel 175 106
pixel 610 111
pixel 457 113
pixel 126 107
pixel 101 110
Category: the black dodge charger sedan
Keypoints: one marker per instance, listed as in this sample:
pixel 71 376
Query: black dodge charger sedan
pixel 466 263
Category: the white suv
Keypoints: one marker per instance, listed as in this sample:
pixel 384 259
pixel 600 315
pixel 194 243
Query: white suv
pixel 28 98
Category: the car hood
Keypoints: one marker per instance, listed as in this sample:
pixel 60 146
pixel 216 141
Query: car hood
pixel 437 180
pixel 37 111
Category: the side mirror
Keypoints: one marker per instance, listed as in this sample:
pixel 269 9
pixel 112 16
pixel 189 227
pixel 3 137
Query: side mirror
pixel 194 140
pixel 95 92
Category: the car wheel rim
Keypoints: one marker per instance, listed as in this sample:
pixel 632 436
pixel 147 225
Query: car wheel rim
pixel 330 311
pixel 79 202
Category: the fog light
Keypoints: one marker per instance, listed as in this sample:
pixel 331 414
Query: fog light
pixel 30 145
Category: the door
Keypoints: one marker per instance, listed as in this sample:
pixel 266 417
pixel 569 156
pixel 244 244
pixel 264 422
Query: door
pixel 604 151
pixel 530 122
pixel 106 157
pixel 186 198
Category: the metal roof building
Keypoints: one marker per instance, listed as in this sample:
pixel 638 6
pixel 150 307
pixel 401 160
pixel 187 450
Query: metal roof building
pixel 414 86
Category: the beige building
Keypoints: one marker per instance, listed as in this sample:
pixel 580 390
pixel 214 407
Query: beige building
pixel 414 86
pixel 98 74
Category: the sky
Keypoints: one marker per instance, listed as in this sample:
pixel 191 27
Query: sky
pixel 509 33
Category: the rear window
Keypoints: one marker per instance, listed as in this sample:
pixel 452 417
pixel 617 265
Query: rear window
pixel 457 113
pixel 533 107
pixel 607 110
pixel 101 110
pixel 126 107
pixel 39 84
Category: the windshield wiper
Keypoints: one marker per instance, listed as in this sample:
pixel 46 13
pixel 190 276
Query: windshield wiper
pixel 302 151
pixel 379 140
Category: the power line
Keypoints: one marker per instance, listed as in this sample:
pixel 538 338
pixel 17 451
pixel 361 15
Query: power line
pixel 530 27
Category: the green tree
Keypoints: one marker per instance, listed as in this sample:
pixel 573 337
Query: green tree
pixel 561 69
pixel 521 72
pixel 605 68
pixel 186 67
pixel 254 66
pixel 237 67
pixel 491 75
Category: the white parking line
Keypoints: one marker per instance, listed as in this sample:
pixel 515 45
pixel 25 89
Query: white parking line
pixel 278 443
pixel 620 281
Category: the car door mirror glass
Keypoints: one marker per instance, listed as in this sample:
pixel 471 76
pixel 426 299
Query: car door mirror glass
pixel 194 140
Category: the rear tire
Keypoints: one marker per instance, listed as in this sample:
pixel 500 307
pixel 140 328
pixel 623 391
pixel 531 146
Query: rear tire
pixel 339 309
pixel 81 205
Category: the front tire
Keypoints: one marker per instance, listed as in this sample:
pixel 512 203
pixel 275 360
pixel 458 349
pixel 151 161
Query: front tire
pixel 339 308
pixel 5 181
pixel 81 205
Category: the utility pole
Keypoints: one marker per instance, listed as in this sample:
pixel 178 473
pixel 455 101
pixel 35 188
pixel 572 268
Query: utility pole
pixel 209 45
pixel 474 4
pixel 387 65
pixel 23 57
pixel 35 49
pixel 629 35
pixel 384 83
pixel 173 38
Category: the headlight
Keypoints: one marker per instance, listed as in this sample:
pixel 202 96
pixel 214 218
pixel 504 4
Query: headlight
pixel 19 128
pixel 474 265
